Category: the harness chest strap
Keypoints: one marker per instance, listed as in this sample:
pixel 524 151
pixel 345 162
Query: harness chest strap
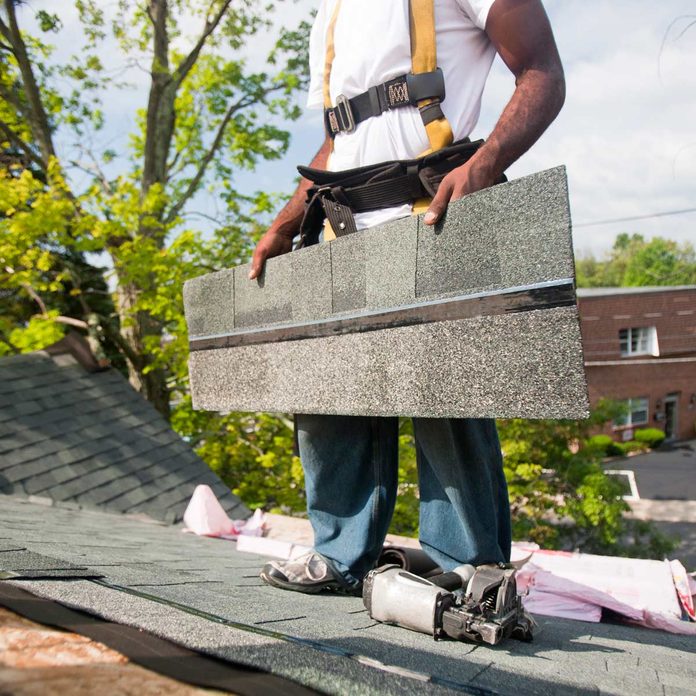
pixel 423 87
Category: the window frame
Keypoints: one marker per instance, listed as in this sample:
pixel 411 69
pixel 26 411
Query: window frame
pixel 647 335
pixel 632 409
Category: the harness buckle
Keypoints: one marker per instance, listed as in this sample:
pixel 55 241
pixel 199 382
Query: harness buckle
pixel 345 114
pixel 428 85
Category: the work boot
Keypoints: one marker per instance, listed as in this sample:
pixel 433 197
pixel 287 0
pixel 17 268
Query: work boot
pixel 309 573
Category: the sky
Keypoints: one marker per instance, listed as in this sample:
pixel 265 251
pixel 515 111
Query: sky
pixel 627 132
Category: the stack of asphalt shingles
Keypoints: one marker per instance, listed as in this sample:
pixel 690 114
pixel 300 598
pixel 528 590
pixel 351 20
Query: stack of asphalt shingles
pixel 89 440
pixel 475 318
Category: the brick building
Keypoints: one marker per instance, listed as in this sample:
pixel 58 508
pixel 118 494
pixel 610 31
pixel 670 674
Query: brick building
pixel 640 347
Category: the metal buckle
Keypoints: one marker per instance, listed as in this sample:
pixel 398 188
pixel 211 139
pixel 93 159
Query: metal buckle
pixel 331 122
pixel 345 114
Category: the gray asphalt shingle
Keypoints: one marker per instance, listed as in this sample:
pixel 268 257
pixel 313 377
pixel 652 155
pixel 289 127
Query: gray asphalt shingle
pixel 89 439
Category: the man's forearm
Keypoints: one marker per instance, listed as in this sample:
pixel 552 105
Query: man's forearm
pixel 537 100
pixel 288 220
pixel 521 34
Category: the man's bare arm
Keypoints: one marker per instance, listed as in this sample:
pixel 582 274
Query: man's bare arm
pixel 278 239
pixel 521 33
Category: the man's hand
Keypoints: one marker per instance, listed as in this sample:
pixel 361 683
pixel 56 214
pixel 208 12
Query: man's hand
pixel 273 243
pixel 278 238
pixel 473 175
pixel 522 36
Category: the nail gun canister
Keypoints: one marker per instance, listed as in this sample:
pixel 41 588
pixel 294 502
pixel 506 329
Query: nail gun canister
pixel 394 596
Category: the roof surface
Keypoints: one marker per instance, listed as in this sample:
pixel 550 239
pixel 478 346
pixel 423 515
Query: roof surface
pixel 88 439
pixel 204 594
pixel 599 292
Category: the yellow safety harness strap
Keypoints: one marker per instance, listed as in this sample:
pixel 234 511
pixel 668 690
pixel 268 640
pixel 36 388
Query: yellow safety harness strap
pixel 424 59
pixel 330 54
pixel 328 62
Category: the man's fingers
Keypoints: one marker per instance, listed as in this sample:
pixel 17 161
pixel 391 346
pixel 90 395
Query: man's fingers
pixel 439 204
pixel 458 193
pixel 257 262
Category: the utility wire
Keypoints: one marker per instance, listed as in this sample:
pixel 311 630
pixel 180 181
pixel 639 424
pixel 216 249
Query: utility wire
pixel 634 217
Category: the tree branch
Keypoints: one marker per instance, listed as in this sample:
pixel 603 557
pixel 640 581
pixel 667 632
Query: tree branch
pixel 189 61
pixel 13 137
pixel 208 157
pixel 175 159
pixel 134 358
pixel 78 323
pixel 94 171
pixel 38 119
pixel 36 297
pixel 160 105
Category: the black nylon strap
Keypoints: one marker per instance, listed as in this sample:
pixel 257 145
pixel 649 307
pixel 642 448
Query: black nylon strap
pixel 405 90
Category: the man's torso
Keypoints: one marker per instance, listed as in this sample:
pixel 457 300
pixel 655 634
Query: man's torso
pixel 372 45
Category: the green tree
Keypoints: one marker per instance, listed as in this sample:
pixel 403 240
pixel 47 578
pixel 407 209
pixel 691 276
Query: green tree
pixel 208 114
pixel 253 453
pixel 635 262
pixel 560 496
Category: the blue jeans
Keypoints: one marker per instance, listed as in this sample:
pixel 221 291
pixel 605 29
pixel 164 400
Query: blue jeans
pixel 351 476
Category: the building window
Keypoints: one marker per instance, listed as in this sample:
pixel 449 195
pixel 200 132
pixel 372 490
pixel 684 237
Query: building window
pixel 638 341
pixel 636 413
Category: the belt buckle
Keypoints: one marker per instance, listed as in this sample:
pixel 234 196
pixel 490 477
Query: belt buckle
pixel 345 113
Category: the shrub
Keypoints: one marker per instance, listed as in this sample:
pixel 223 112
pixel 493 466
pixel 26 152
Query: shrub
pixel 621 449
pixel 600 443
pixel 634 446
pixel 616 449
pixel 652 437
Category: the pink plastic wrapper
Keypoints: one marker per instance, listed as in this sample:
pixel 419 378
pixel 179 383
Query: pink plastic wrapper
pixel 578 586
pixel 683 586
pixel 206 517
pixel 562 606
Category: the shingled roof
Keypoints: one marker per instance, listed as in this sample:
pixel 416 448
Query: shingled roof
pixel 86 438
pixel 205 594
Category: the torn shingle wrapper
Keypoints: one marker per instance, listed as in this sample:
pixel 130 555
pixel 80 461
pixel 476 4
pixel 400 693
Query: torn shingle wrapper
pixel 271 547
pixel 580 586
pixel 685 589
pixel 206 517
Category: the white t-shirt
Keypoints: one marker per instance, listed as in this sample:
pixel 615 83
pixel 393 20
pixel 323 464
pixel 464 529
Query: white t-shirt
pixel 372 43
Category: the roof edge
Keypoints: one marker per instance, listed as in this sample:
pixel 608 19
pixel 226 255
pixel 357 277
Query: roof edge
pixel 631 290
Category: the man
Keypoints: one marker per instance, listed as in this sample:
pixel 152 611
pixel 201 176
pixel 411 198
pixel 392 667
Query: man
pixel 350 462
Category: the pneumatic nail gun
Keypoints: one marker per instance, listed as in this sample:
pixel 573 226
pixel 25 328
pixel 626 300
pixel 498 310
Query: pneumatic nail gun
pixel 486 609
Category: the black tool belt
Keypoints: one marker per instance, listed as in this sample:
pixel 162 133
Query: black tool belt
pixel 338 195
pixel 405 90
